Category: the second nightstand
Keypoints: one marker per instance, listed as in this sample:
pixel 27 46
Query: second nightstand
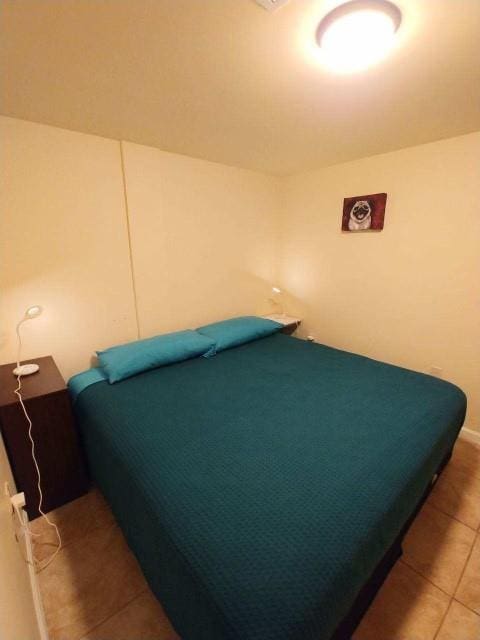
pixel 61 463
pixel 290 323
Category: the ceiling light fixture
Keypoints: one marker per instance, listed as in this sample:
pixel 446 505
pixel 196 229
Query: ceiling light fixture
pixel 356 34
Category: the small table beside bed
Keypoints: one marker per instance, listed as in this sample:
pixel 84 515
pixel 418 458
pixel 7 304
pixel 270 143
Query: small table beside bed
pixel 265 490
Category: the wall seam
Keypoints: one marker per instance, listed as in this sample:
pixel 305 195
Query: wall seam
pixel 129 237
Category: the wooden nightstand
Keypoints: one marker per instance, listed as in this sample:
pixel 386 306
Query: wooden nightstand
pixel 290 323
pixel 46 398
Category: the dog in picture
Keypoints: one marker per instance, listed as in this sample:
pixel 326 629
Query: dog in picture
pixel 360 216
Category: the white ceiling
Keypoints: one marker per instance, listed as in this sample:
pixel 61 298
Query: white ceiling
pixel 228 81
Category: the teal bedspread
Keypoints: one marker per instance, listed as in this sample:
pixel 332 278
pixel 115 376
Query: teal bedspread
pixel 260 488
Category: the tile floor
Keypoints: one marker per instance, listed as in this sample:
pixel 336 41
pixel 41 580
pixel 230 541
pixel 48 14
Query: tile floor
pixel 94 589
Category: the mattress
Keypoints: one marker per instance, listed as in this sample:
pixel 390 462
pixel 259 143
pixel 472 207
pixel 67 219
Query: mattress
pixel 260 488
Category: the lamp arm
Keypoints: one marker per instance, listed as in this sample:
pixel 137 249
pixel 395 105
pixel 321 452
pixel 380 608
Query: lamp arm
pixel 19 340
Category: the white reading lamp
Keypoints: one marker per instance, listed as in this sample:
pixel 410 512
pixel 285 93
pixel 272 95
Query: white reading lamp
pixel 26 369
pixel 277 299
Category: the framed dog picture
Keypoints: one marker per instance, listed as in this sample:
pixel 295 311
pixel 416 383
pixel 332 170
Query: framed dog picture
pixel 364 213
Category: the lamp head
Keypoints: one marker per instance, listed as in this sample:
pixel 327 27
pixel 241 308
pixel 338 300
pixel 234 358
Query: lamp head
pixel 276 290
pixel 33 312
pixel 26 369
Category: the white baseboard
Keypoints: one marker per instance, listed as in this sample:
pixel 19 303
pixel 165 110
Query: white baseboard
pixel 469 434
pixel 37 598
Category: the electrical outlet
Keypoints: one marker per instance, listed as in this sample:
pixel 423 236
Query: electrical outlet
pixel 18 501
pixel 436 371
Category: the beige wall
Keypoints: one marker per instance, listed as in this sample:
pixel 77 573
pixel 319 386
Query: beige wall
pixel 203 238
pixel 63 244
pixel 409 294
pixel 203 241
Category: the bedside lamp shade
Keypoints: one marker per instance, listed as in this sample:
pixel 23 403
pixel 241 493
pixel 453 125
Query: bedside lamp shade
pixel 277 299
pixel 33 312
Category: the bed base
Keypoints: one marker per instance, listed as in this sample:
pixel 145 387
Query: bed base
pixel 347 626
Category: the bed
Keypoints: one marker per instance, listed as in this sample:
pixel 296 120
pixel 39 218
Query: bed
pixel 265 490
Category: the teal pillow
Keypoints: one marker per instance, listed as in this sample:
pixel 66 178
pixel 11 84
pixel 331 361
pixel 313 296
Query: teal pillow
pixel 127 360
pixel 81 381
pixel 231 333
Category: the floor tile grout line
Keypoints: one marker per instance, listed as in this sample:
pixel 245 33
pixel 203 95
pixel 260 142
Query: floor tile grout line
pixel 449 595
pixel 451 598
pixel 443 619
pixel 145 590
pixel 445 513
pixel 460 469
pixel 85 533
pixel 466 606
pixel 80 540
pixel 465 567
pixel 74 541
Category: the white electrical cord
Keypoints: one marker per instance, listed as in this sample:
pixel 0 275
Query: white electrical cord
pixel 18 392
